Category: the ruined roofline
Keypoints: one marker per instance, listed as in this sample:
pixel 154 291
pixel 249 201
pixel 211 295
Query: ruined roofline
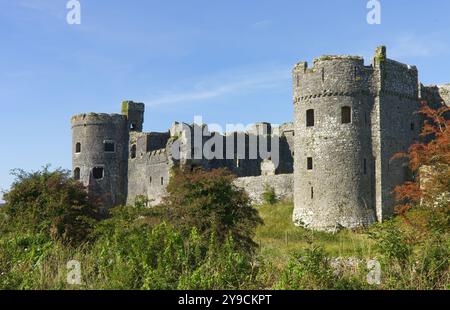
pixel 325 58
pixel 447 85
pixel 380 56
pixel 95 117
pixel 337 57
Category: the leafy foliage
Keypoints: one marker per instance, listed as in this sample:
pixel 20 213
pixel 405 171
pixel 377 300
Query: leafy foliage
pixel 210 202
pixel 430 160
pixel 52 203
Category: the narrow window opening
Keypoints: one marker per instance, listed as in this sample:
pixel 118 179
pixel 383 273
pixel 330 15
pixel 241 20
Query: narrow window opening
pixel 366 120
pixel 151 180
pixel 133 151
pixel 310 163
pixel 98 173
pixel 162 181
pixel 78 147
pixel 346 115
pixel 323 74
pixel 365 166
pixel 76 174
pixel 312 192
pixel 110 146
pixel 412 127
pixel 310 118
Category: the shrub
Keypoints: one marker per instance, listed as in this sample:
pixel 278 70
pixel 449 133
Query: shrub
pixel 307 270
pixel 210 202
pixel 412 259
pixel 52 203
pixel 311 270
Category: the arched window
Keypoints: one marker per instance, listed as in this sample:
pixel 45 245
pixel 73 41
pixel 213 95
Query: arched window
pixel 133 151
pixel 310 118
pixel 76 174
pixel 78 147
pixel 346 115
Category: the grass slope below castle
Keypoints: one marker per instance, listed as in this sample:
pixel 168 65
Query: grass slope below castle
pixel 278 237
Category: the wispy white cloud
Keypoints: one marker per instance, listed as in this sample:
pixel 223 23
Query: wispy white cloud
pixel 261 24
pixel 225 85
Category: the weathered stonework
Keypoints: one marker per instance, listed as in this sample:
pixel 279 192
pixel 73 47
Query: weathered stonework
pixel 140 163
pixel 341 174
pixel 283 184
pixel 353 174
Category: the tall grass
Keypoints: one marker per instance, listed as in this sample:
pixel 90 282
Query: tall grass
pixel 279 237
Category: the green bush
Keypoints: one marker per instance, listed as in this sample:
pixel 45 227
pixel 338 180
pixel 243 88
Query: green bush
pixel 210 202
pixel 52 203
pixel 411 257
pixel 311 270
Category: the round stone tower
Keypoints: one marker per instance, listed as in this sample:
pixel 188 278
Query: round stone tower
pixel 334 166
pixel 100 155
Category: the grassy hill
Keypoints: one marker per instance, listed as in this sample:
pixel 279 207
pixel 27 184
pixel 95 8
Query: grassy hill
pixel 279 237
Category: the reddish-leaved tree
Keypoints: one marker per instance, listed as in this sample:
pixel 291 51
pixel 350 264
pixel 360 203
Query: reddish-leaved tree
pixel 429 160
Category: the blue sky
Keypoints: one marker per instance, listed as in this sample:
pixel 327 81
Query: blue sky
pixel 228 61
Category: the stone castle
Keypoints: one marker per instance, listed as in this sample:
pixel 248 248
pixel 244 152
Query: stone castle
pixel 335 159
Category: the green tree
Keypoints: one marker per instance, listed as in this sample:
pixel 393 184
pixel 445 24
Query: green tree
pixel 50 202
pixel 210 202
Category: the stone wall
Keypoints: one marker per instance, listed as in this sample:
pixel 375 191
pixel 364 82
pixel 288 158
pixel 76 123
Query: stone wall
pixel 283 184
pixel 90 133
pixel 395 127
pixel 344 170
pixel 435 95
pixel 148 175
pixel 333 158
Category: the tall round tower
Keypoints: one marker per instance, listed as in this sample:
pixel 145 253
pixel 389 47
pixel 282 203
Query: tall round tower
pixel 100 155
pixel 333 163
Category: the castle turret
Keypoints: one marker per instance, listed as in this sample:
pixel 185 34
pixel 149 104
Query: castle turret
pixel 134 111
pixel 333 165
pixel 100 154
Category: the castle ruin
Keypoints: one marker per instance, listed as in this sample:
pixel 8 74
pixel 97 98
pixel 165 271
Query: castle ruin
pixel 335 160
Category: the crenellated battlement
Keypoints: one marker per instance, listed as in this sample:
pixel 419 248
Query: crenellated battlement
pixel 86 119
pixel 332 75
